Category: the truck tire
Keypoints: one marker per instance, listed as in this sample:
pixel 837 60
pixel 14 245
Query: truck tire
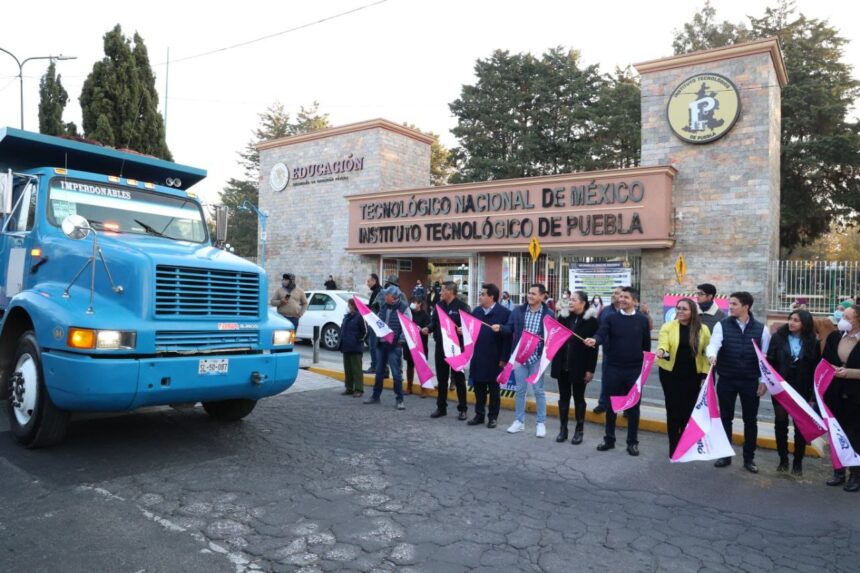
pixel 229 410
pixel 33 418
pixel 330 337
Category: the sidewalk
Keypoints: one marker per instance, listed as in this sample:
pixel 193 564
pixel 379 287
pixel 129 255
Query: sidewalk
pixel 651 419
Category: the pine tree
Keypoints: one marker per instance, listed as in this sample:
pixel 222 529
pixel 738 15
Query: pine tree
pixel 119 104
pixel 52 101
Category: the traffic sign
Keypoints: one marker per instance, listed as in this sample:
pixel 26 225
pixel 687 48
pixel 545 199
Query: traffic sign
pixel 534 249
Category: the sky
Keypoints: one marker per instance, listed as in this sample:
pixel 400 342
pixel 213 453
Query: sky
pixel 401 60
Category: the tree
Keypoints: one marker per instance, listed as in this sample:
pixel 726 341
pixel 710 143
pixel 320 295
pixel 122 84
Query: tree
pixel 274 123
pixel 53 98
pixel 119 104
pixel 528 116
pixel 820 158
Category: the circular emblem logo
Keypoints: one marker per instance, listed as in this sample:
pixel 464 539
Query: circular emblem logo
pixel 703 108
pixel 279 177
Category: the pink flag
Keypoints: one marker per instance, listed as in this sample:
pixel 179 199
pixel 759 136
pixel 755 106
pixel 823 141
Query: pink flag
pixel 412 334
pixel 526 346
pixel 704 438
pixel 378 325
pixel 805 419
pixel 841 453
pixel 621 403
pixel 471 329
pixel 555 335
pixel 450 340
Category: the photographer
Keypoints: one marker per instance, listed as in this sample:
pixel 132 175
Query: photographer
pixel 290 299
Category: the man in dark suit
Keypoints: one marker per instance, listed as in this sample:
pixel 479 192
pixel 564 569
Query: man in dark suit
pixel 451 305
pixel 491 351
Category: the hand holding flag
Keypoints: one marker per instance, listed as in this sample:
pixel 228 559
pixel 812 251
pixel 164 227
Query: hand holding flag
pixel 374 322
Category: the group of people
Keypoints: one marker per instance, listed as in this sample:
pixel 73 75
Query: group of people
pixel 700 336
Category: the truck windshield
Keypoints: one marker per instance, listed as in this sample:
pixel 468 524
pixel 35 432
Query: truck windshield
pixel 126 210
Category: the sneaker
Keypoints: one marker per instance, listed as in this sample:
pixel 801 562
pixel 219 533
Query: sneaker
pixel 516 427
pixel 540 431
pixel 371 400
pixel 401 405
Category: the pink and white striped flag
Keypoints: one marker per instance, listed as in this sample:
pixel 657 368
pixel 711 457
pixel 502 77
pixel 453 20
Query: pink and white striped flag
pixel 555 335
pixel 704 438
pixel 621 403
pixel 805 419
pixel 526 346
pixel 412 334
pixel 471 329
pixel 841 453
pixel 450 340
pixel 377 324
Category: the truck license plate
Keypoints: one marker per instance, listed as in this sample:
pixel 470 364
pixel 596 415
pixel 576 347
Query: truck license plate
pixel 214 367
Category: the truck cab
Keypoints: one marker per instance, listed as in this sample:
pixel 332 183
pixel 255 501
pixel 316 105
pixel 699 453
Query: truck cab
pixel 113 297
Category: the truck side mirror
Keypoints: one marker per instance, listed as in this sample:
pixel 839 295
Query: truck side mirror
pixel 6 192
pixel 76 227
pixel 221 216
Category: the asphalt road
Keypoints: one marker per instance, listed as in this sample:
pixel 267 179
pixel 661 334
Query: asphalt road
pixel 314 481
pixel 652 393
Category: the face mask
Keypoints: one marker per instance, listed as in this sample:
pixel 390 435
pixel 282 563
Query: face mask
pixel 837 315
pixel 413 306
pixel 844 325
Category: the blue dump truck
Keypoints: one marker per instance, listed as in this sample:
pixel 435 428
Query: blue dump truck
pixel 113 297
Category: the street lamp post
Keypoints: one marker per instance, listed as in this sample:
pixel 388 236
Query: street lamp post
pixel 21 72
pixel 261 217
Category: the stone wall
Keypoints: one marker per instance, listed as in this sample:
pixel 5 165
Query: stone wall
pixel 726 193
pixel 307 224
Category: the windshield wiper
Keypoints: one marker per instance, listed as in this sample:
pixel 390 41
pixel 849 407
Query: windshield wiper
pixel 150 230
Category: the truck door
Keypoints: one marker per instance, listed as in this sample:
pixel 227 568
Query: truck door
pixel 13 239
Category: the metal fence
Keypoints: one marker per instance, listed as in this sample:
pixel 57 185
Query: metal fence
pixel 818 285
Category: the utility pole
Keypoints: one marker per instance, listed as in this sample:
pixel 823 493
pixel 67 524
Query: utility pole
pixel 21 72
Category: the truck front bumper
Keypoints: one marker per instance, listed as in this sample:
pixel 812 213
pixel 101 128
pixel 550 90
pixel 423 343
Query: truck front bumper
pixel 81 383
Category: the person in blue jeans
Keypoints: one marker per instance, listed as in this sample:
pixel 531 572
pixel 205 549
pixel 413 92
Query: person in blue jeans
pixel 390 354
pixel 528 317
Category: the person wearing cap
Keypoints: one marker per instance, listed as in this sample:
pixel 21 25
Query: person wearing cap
pixel 451 305
pixel 709 312
pixel 389 354
pixel 373 304
pixel 290 299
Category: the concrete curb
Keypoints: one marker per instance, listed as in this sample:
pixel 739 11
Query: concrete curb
pixel 649 419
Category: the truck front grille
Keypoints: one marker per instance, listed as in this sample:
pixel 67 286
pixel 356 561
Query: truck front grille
pixel 201 341
pixel 186 291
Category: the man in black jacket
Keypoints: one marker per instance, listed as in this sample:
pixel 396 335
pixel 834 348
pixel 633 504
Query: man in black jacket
pixel 373 304
pixel 629 334
pixel 491 352
pixel 451 305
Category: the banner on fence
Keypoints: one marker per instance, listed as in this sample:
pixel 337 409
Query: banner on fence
pixel 600 278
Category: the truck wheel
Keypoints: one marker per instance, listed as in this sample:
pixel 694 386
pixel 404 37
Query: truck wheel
pixel 229 410
pixel 330 337
pixel 33 418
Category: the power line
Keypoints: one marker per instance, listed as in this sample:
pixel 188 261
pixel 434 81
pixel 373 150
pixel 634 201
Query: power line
pixel 276 34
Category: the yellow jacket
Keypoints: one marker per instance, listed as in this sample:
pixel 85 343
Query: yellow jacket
pixel 668 341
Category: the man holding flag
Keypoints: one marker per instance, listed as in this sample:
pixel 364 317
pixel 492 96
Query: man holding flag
pixel 389 352
pixel 491 349
pixel 528 317
pixel 628 333
pixel 451 306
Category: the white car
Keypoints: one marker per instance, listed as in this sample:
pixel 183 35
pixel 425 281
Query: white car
pixel 325 309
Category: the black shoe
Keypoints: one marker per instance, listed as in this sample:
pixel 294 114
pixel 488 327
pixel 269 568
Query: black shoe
pixel 751 467
pixel 633 449
pixel 853 483
pixel 562 436
pixel 370 370
pixel 837 479
pixel 371 400
pixel 491 423
pixel 605 446
pixel 624 413
pixel 462 416
pixel 577 437
pixel 797 467
pixel 475 421
pixel 437 413
pixel 599 409
pixel 347 393
pixel 783 465
pixel 723 462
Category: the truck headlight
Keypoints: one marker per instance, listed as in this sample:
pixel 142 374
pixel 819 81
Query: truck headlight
pixel 283 337
pixel 88 339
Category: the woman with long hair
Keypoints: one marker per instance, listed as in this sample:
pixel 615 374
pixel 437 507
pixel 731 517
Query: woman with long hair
pixel 794 352
pixel 682 365
pixel 573 365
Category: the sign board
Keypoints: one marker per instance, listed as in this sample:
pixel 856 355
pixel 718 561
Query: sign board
pixel 534 249
pixel 703 108
pixel 598 279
